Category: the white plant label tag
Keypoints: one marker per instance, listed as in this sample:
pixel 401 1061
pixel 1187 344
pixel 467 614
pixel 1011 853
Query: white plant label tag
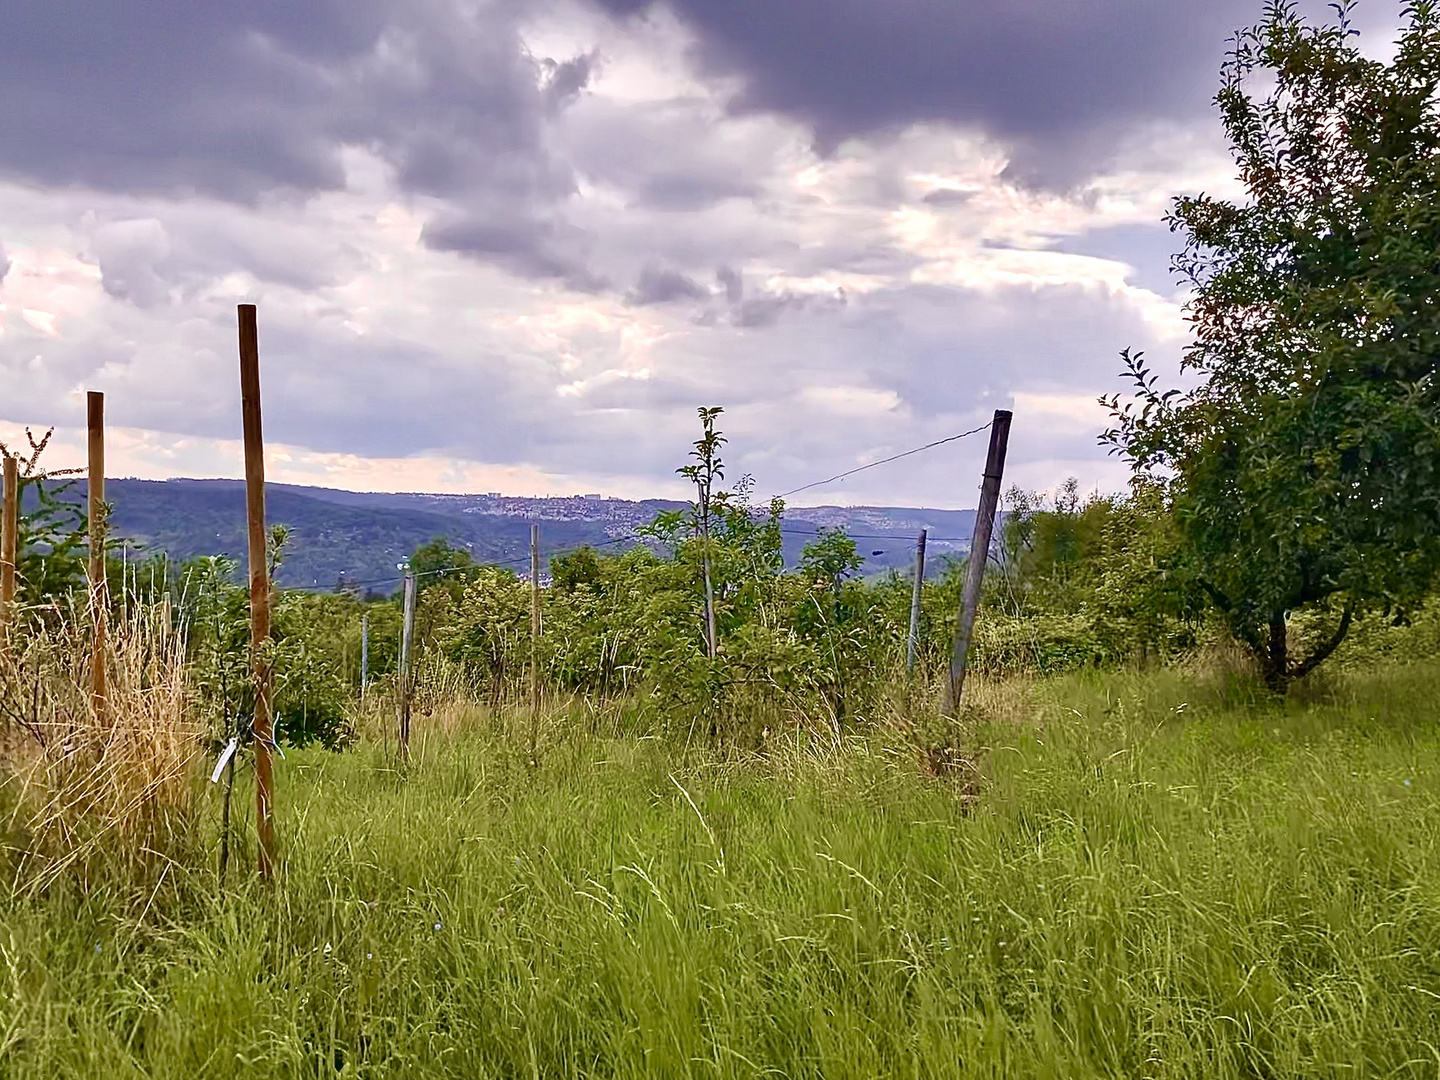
pixel 225 757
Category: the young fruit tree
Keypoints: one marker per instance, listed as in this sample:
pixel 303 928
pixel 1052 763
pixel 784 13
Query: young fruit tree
pixel 1303 468
pixel 52 529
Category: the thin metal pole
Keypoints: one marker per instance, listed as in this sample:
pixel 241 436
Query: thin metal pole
pixel 95 422
pixel 407 634
pixel 9 546
pixel 914 637
pixel 534 637
pixel 979 555
pixel 364 654
pixel 263 727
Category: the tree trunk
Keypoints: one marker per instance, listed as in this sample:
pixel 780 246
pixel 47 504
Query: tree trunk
pixel 1274 653
pixel 1277 656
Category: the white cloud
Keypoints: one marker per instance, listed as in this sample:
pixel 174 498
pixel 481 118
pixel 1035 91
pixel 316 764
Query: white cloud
pixel 851 400
pixel 1074 410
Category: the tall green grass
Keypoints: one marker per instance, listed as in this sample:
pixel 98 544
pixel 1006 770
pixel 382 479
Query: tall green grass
pixel 1162 876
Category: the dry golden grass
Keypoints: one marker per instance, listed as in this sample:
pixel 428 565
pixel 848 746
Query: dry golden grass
pixel 81 789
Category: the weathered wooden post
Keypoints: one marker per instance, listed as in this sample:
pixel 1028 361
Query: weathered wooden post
pixel 99 605
pixel 979 555
pixel 407 636
pixel 914 636
pixel 9 547
pixel 263 727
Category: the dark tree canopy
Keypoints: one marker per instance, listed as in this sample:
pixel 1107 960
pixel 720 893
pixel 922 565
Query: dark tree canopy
pixel 1304 468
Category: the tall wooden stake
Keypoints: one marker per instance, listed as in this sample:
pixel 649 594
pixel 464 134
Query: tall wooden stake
pixel 407 636
pixel 914 636
pixel 9 547
pixel 979 555
pixel 534 638
pixel 263 728
pixel 95 421
pixel 364 654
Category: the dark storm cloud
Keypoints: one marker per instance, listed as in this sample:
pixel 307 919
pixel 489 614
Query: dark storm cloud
pixel 670 190
pixel 758 309
pixel 1054 79
pixel 539 250
pixel 564 80
pixel 947 197
pixel 241 100
pixel 658 285
pixel 766 309
pixel 151 94
pixel 238 99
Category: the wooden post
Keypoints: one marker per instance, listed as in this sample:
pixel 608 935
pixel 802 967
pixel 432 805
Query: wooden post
pixel 979 555
pixel 534 636
pixel 407 632
pixel 95 422
pixel 364 654
pixel 914 636
pixel 9 546
pixel 263 727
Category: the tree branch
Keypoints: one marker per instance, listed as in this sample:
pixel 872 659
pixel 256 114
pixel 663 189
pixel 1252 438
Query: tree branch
pixel 1246 634
pixel 1221 600
pixel 1311 662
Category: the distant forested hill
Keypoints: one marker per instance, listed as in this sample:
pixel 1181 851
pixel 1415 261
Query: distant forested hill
pixel 363 535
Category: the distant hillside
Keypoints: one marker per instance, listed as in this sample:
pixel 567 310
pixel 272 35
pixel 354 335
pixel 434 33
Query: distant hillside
pixel 363 534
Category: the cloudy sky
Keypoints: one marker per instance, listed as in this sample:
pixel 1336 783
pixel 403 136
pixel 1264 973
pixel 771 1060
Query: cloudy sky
pixel 513 244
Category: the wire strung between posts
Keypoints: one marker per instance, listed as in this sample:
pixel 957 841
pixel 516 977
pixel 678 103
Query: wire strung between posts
pixel 884 461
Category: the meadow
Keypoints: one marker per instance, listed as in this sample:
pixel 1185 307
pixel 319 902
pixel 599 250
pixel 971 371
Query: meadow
pixel 1162 874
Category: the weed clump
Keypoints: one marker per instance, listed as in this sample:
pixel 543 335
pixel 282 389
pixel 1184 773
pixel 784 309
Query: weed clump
pixel 87 793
